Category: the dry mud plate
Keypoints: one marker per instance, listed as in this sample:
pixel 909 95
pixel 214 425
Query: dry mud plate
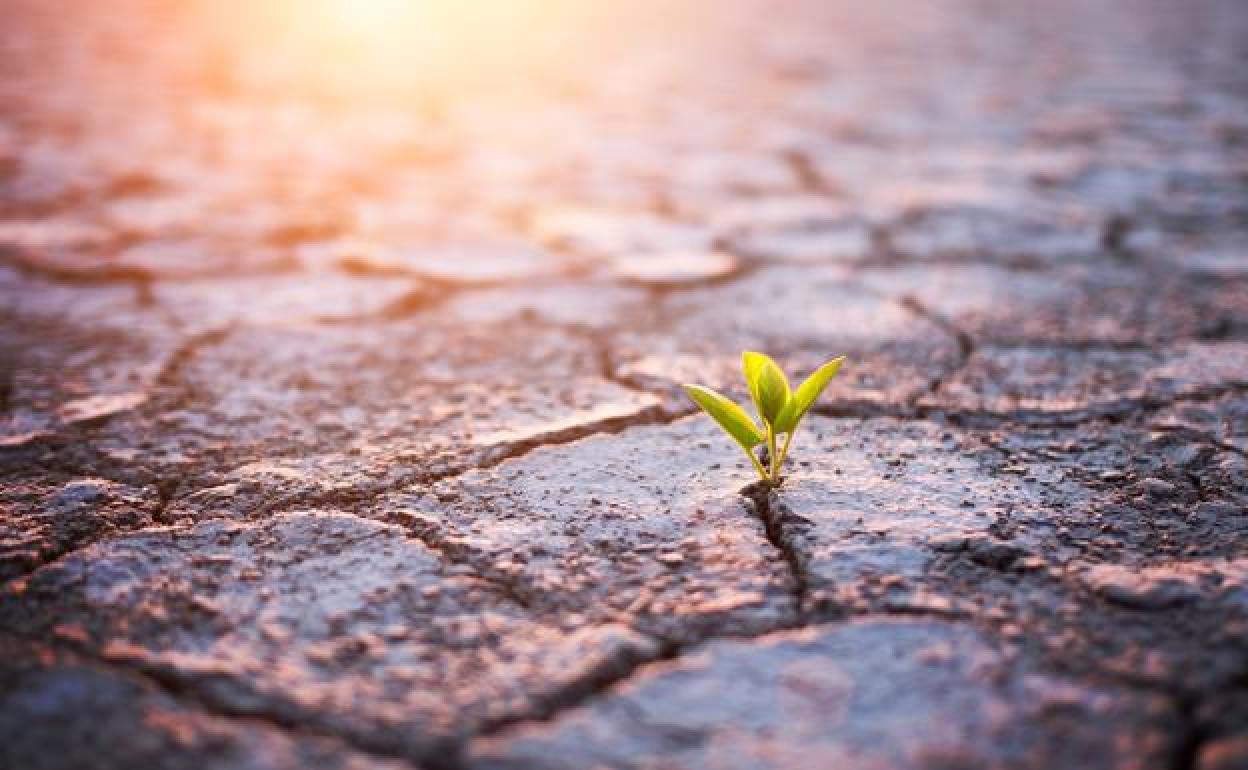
pixel 340 353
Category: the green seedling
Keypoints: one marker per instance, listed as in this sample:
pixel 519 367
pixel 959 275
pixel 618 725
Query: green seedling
pixel 780 409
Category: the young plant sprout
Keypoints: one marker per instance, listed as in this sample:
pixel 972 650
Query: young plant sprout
pixel 780 408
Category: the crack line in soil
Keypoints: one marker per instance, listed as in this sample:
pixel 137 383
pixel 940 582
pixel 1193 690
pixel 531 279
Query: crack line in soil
pixel 966 343
pixel 460 555
pixel 13 257
pixel 188 349
pixel 764 504
pixel 1192 736
pixel 654 414
pixel 1072 418
pixel 173 684
pixel 441 754
pixel 595 682
pixel 603 677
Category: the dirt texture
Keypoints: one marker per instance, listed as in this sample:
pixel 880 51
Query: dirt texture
pixel 340 418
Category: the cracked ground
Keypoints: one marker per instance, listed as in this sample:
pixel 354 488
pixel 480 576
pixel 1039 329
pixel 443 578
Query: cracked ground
pixel 340 352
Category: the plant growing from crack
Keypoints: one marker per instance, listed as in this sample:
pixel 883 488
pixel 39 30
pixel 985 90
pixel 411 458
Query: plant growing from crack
pixel 780 408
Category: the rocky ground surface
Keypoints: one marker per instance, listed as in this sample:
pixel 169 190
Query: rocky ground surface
pixel 339 418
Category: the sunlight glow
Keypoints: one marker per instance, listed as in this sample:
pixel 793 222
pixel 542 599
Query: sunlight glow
pixel 367 17
pixel 387 45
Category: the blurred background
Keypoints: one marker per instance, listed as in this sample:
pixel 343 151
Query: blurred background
pixel 251 157
pixel 281 124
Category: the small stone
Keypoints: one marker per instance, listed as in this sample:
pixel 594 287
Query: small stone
pixel 21 439
pixel 1158 488
pixel 990 552
pixel 1155 588
pixel 670 559
pixel 922 602
pixel 99 407
pixel 81 491
pixel 951 543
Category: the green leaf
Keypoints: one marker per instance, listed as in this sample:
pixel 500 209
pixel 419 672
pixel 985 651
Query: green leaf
pixel 730 417
pixel 806 394
pixel 768 386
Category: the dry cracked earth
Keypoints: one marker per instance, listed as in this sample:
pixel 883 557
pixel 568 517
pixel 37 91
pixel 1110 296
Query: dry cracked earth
pixel 339 420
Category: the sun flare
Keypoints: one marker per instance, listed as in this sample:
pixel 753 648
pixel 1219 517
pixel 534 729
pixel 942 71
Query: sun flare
pixel 361 46
pixel 367 17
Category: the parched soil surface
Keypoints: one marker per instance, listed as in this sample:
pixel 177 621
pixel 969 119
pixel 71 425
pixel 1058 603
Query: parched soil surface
pixel 339 361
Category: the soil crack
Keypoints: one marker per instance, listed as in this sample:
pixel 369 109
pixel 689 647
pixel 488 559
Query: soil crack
pixel 778 523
